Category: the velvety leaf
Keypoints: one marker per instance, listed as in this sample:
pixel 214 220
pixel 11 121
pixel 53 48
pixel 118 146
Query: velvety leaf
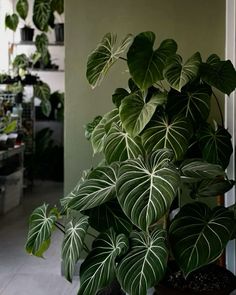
pixel 213 59
pixel 135 112
pixel 145 263
pixel 146 188
pixel 21 61
pixel 198 235
pixel 109 215
pixel 41 43
pixel 42 91
pixel 215 144
pixel 91 126
pixel 220 74
pixel 118 96
pixel 72 245
pixel 99 133
pixel 22 8
pixel 11 21
pixel 41 225
pixel 192 102
pixel 178 75
pixel 99 268
pixel 145 64
pixel 41 14
pixel 119 146
pixel 103 57
pixel 164 133
pixel 96 189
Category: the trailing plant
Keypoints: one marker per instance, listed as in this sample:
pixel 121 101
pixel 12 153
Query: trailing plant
pixel 157 145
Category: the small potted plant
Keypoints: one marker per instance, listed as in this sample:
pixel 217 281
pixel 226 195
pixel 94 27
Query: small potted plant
pixel 160 151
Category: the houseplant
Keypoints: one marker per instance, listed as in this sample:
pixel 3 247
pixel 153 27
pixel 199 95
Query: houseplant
pixel 12 21
pixel 158 147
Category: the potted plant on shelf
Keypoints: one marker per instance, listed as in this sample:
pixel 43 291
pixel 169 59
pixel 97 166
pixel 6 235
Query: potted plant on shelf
pixel 12 21
pixel 159 148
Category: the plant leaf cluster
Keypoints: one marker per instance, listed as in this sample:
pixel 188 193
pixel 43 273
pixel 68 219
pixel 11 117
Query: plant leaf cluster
pixel 155 142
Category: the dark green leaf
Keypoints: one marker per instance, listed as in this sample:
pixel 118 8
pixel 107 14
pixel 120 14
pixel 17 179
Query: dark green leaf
pixel 99 268
pixel 21 61
pixel 41 14
pixel 145 263
pixel 22 8
pixel 215 145
pixel 42 91
pixel 145 64
pixel 46 107
pixel 198 235
pixel 58 6
pixel 213 60
pixel 91 126
pixel 41 43
pixel 11 21
pixel 178 75
pixel 118 96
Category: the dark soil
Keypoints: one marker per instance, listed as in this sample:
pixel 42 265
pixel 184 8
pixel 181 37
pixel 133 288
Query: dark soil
pixel 211 278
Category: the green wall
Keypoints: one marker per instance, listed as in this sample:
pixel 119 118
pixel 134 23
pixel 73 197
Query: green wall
pixel 195 25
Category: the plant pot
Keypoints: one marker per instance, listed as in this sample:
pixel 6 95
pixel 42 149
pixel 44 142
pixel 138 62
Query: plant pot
pixel 27 34
pixel 209 280
pixel 59 33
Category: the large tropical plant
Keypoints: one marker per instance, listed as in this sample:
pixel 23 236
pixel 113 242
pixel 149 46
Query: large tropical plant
pixel 157 144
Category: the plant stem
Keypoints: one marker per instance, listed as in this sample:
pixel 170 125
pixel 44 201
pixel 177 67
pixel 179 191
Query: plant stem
pixel 122 58
pixel 58 225
pixel 91 235
pixel 86 248
pixel 220 110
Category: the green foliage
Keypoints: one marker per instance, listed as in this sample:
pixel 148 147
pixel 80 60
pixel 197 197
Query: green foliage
pixel 156 143
pixel 58 6
pixel 41 43
pixel 11 21
pixel 22 8
pixel 41 14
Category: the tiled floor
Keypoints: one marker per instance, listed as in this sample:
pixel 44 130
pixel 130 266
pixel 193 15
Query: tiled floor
pixel 20 273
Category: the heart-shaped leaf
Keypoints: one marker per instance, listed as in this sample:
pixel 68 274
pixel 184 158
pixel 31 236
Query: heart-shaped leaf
pixel 96 189
pixel 11 21
pixel 72 245
pixel 119 146
pixel 99 133
pixel 46 107
pixel 178 75
pixel 198 235
pixel 193 102
pixel 42 91
pixel 41 14
pixel 41 43
pixel 118 96
pixel 22 8
pixel 164 133
pixel 220 74
pixel 109 215
pixel 146 189
pixel 215 144
pixel 99 268
pixel 135 112
pixel 103 57
pixel 145 263
pixel 41 225
pixel 145 64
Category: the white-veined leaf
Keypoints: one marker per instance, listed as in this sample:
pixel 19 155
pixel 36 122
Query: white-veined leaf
pixel 104 56
pixel 41 225
pixel 178 75
pixel 135 113
pixel 12 21
pixel 198 235
pixel 73 242
pixel 99 133
pixel 96 189
pixel 22 8
pixel 42 91
pixel 146 189
pixel 145 263
pixel 119 95
pixel 99 268
pixel 41 14
pixel 216 145
pixel 145 64
pixel 119 146
pixel 164 133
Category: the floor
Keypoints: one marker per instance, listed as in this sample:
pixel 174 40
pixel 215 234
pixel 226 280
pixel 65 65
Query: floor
pixel 20 273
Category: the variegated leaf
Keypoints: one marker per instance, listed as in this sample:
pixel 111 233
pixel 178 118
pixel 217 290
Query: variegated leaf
pixel 41 225
pixel 41 14
pixel 178 75
pixel 145 64
pixel 98 188
pixel 99 268
pixel 99 133
pixel 73 242
pixel 104 56
pixel 119 145
pixel 145 263
pixel 146 188
pixel 164 133
pixel 135 112
pixel 198 235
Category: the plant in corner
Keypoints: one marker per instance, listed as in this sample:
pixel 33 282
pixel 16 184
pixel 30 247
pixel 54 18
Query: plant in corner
pixel 157 146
